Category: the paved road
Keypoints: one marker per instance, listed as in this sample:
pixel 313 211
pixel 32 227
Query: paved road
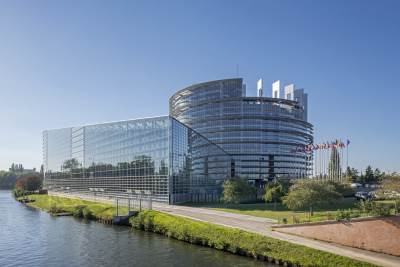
pixel 262 226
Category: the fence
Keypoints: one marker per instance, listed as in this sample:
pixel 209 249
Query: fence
pixel 206 198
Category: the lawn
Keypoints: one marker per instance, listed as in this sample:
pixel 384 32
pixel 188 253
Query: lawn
pixel 267 210
pixel 99 210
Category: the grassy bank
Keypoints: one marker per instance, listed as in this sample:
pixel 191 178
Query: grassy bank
pixel 57 204
pixel 237 241
pixel 279 212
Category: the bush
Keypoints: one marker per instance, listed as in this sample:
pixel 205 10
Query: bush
pixel 273 192
pixel 236 190
pixel 78 211
pixel 346 214
pixel 18 192
pixel 345 189
pixel 365 206
pixel 54 209
pixel 87 213
pixel 381 209
pixel 310 193
pixel 397 206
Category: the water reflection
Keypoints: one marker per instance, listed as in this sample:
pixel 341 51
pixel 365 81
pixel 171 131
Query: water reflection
pixel 33 238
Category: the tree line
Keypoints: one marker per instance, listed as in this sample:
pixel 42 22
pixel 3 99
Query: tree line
pixel 18 176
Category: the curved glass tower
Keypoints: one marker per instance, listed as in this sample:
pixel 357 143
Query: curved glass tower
pixel 262 134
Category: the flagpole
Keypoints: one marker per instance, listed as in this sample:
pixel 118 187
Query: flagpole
pixel 341 160
pixel 347 152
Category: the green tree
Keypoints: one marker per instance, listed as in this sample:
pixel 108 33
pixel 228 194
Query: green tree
pixel 352 174
pixel 236 190
pixel 369 175
pixel 334 167
pixel 70 164
pixel 378 175
pixel 273 192
pixel 309 194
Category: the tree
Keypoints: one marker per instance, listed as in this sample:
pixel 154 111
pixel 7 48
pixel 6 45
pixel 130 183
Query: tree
pixel 378 175
pixel 273 192
pixel 352 175
pixel 70 164
pixel 369 175
pixel 334 168
pixel 236 190
pixel 310 193
pixel 29 183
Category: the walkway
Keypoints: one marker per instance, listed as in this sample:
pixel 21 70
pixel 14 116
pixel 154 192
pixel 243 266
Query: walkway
pixel 262 226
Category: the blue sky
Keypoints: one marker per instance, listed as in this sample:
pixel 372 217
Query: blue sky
pixel 65 63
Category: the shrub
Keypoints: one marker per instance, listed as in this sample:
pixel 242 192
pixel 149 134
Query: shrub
pixel 365 206
pixel 397 206
pixel 87 213
pixel 273 192
pixel 236 190
pixel 343 215
pixel 347 214
pixel 330 216
pixel 310 193
pixel 54 209
pixel 78 211
pixel 18 192
pixel 381 209
pixel 345 189
pixel 296 220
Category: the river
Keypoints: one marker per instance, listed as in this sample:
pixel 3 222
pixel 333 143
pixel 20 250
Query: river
pixel 29 237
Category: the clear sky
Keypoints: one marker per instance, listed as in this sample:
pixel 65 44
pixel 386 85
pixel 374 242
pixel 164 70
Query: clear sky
pixel 66 63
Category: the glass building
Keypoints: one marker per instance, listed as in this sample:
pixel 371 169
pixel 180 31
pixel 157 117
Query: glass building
pixel 262 134
pixel 159 157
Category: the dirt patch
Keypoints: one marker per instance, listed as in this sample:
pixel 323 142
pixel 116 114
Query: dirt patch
pixel 375 234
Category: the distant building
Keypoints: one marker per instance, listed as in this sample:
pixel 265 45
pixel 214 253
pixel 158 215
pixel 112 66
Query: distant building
pixel 214 132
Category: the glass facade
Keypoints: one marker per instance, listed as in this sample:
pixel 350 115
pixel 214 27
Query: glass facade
pixel 159 157
pixel 260 133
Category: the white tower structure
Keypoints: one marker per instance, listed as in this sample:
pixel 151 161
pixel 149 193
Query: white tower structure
pixel 289 92
pixel 260 89
pixel 276 88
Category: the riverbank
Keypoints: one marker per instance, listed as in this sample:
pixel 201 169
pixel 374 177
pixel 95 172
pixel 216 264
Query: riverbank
pixel 75 206
pixel 237 241
pixel 207 234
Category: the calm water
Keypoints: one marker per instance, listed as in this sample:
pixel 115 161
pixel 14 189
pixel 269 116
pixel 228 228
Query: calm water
pixel 29 237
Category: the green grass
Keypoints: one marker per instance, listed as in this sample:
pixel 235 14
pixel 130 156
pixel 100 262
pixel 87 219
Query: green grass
pixel 237 241
pixel 99 210
pixel 267 210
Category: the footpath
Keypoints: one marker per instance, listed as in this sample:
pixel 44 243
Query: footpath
pixel 262 226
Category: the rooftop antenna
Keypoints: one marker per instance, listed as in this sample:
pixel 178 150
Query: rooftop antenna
pixel 237 70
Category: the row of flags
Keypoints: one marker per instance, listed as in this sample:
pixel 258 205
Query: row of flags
pixel 327 145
